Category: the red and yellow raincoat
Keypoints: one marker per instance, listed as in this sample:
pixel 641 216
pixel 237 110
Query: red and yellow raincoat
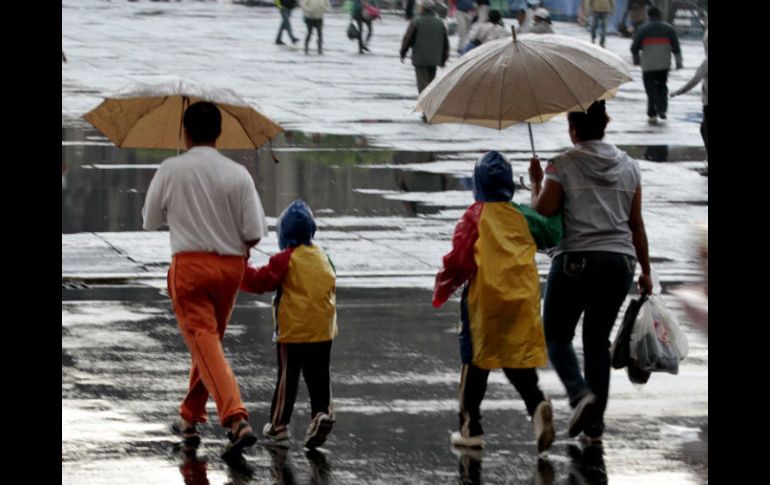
pixel 304 308
pixel 493 254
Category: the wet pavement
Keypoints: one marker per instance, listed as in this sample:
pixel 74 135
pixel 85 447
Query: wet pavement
pixel 395 375
pixel 387 191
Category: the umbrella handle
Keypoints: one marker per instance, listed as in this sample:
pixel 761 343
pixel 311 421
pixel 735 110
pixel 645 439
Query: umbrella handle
pixel 270 144
pixel 531 139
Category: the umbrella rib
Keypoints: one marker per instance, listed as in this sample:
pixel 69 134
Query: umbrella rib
pixel 256 145
pixel 500 102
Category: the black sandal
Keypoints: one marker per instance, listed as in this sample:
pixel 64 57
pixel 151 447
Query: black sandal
pixel 238 441
pixel 189 435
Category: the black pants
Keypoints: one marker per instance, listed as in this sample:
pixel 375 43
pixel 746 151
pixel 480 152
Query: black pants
pixel 593 284
pixel 360 21
pixel 473 386
pixel 318 25
pixel 313 360
pixel 657 92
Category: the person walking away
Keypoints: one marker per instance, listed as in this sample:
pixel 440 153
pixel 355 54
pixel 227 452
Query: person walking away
pixel 305 320
pixel 600 10
pixel 493 258
pixel 597 187
pixel 357 14
pixel 491 30
pixel 702 74
pixel 214 216
pixel 542 23
pixel 285 7
pixel 314 19
pixel 464 17
pixel 652 47
pixel 428 39
pixel 637 14
pixel 409 9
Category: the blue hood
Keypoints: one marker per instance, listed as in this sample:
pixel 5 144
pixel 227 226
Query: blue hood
pixel 295 225
pixel 493 178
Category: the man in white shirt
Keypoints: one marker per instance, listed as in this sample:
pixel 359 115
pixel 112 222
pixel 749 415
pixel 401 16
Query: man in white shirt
pixel 214 216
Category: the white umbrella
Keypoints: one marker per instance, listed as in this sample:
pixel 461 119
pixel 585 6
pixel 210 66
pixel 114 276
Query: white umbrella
pixel 530 78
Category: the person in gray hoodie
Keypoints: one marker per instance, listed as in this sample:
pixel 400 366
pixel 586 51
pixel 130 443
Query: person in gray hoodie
pixel 597 187
pixel 656 40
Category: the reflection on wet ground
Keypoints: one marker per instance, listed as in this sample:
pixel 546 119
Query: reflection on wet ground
pixel 103 187
pixel 395 372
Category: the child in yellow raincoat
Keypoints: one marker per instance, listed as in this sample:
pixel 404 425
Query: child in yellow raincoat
pixel 493 254
pixel 305 315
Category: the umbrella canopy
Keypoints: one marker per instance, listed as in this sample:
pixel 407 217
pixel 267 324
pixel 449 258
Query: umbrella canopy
pixel 150 116
pixel 530 78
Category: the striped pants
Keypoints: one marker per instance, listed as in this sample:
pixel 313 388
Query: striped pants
pixel 312 359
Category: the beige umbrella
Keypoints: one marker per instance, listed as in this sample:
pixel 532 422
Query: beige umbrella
pixel 150 116
pixel 530 79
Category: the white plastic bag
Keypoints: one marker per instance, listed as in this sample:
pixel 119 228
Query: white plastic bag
pixel 657 343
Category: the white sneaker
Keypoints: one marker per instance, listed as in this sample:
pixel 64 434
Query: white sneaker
pixel 543 420
pixel 458 439
pixel 276 436
pixel 653 120
pixel 319 429
pixel 582 414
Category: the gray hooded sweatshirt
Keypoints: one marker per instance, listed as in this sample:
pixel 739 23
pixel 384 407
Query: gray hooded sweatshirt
pixel 599 183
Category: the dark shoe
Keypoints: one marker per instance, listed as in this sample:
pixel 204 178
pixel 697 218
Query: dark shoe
pixel 238 441
pixel 582 415
pixel 319 429
pixel 294 40
pixel 662 116
pixel 189 435
pixel 280 42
